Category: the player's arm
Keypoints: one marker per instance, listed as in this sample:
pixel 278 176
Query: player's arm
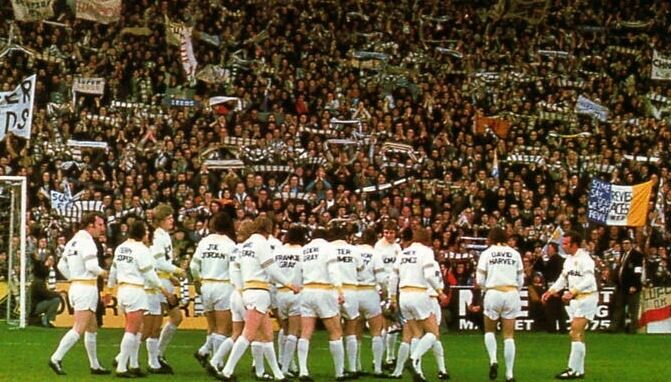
pixel 587 281
pixel 393 284
pixel 196 260
pixel 520 272
pixel 557 286
pixel 63 266
pixel 481 271
pixel 91 262
pixel 112 280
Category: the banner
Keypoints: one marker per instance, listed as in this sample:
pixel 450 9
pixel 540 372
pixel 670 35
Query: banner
pixel 655 309
pixel 186 53
pixel 32 10
pixel 16 109
pixel 173 31
pixel 498 125
pixel 102 11
pixel 589 107
pixel 661 67
pixel 610 204
pixel 59 199
pixel 526 320
pixel 94 85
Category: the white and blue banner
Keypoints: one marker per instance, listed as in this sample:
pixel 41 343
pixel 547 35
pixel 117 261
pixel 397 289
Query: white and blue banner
pixel 589 107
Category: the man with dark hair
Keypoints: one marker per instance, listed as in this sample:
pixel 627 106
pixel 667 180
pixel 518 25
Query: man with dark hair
pixel 628 288
pixel 501 276
pixel 550 265
pixel 44 302
pixel 582 296
pixel 79 264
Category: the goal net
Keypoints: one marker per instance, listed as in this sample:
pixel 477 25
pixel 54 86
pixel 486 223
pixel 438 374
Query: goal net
pixel 13 261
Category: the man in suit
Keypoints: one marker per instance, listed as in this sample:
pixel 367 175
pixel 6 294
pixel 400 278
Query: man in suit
pixel 551 267
pixel 628 288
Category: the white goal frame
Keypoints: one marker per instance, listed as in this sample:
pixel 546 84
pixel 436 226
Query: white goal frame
pixel 22 245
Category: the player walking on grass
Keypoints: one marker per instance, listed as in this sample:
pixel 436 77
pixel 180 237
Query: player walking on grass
pixel 390 250
pixel 500 274
pixel 79 264
pixel 168 272
pixel 258 269
pixel 210 271
pixel 132 270
pixel 414 275
pixel 582 297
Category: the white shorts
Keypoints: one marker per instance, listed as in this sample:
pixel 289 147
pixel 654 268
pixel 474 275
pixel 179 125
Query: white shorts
pixel 583 307
pixel 415 305
pixel 322 303
pixel 288 304
pixel 154 303
pixel 369 303
pixel 498 304
pixel 436 308
pixel 83 296
pixel 216 295
pixel 167 284
pixel 350 308
pixel 256 299
pixel 237 307
pixel 131 298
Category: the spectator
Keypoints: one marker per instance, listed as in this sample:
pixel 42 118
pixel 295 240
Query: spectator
pixel 44 302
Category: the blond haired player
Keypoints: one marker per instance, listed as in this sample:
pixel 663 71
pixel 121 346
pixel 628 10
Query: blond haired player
pixel 161 249
pixel 209 269
pixel 132 269
pixel 582 297
pixel 500 275
pixel 79 264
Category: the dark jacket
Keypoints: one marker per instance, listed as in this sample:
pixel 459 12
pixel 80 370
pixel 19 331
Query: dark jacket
pixel 629 271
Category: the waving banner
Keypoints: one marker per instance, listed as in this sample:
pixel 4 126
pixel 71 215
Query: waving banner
pixel 610 204
pixel 661 67
pixel 16 109
pixel 32 10
pixel 102 11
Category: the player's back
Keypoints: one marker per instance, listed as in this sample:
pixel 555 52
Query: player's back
pixel 410 265
pixel 213 255
pixel 127 262
pixel 252 258
pixel 502 266
pixel 348 263
pixel 317 254
pixel 80 249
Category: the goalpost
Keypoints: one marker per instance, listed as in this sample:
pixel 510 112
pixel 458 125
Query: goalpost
pixel 13 209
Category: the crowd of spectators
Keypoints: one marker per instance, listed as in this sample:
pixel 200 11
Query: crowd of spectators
pixel 296 65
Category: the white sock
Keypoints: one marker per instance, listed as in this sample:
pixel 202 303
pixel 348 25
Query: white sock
pixel 257 356
pixel 403 352
pixel 358 354
pixel 280 344
pixel 351 345
pixel 271 357
pixel 582 352
pixel 490 344
pixel 90 343
pixel 509 355
pixel 289 350
pixel 152 353
pixel 135 354
pixel 413 344
pixel 205 349
pixel 439 354
pixel 338 354
pixel 125 350
pixel 166 336
pixel 423 345
pixel 67 342
pixel 573 356
pixel 390 346
pixel 378 348
pixel 221 352
pixel 303 348
pixel 216 340
pixel 239 348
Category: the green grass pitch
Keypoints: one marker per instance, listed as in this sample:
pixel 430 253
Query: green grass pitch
pixel 539 357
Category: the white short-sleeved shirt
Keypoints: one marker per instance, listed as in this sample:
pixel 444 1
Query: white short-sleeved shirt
pixel 212 256
pixel 577 274
pixel 161 249
pixel 501 265
pixel 389 253
pixel 410 266
pixel 253 257
pixel 132 260
pixel 372 264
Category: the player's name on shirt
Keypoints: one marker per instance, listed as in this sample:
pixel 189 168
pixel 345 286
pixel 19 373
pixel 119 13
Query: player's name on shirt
pixel 366 257
pixel 286 260
pixel 502 258
pixel 574 272
pixel 345 255
pixel 213 252
pixel 124 255
pixel 310 254
pixel 409 257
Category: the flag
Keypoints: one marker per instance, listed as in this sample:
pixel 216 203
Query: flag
pixel 495 165
pixel 661 66
pixel 586 106
pixel 32 10
pixel 102 11
pixel 498 125
pixel 556 238
pixel 186 53
pixel 615 205
pixel 16 109
pixel 660 206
